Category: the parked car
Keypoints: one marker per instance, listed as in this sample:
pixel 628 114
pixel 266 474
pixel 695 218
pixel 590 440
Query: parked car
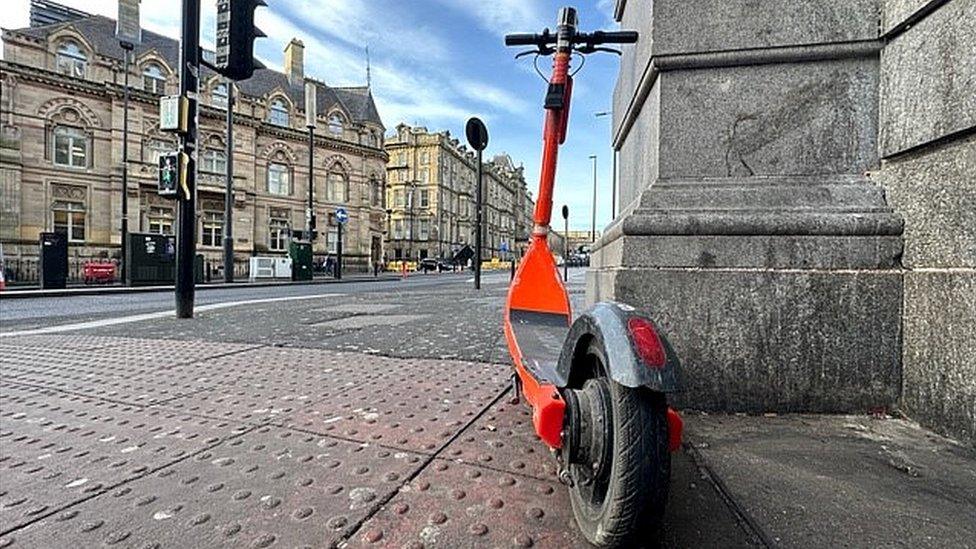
pixel 427 264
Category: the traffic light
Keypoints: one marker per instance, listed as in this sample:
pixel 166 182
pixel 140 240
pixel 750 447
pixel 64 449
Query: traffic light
pixel 235 38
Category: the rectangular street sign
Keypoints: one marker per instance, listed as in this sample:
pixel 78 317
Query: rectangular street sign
pixel 127 28
pixel 169 174
pixel 173 113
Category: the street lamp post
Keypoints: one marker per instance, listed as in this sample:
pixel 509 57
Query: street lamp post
pixel 593 206
pixel 613 173
pixel 126 53
pixel 311 108
pixel 229 191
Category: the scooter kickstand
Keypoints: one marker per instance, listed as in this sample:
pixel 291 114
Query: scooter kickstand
pixel 515 389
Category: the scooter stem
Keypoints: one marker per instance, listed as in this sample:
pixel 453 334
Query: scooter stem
pixel 553 134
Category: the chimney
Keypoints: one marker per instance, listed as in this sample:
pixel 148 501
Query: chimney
pixel 295 61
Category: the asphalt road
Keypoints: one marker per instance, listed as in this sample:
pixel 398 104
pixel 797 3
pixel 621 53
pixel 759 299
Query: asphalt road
pixel 28 313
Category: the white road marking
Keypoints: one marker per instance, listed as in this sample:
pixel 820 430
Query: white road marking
pixel 158 314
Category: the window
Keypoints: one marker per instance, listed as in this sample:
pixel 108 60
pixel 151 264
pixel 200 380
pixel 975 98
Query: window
pixel 398 198
pixel 213 229
pixel 424 175
pixel 424 158
pixel 424 229
pixel 214 161
pixel 71 60
pixel 218 97
pixel 336 188
pixel 69 219
pixel 278 179
pixel 393 177
pixel 278 234
pixel 398 228
pixel 335 124
pixel 155 148
pixel 70 147
pixel 154 79
pixel 332 240
pixel 425 198
pixel 376 191
pixel 160 220
pixel 278 114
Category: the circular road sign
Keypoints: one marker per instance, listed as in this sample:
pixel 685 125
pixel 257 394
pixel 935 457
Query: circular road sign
pixel 341 215
pixel 477 134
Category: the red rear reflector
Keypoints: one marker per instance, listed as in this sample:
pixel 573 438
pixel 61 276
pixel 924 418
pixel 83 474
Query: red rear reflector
pixel 648 344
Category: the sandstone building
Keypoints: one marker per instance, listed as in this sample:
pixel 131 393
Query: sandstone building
pixel 61 148
pixel 431 198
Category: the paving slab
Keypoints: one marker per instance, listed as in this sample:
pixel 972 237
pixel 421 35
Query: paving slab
pixel 840 481
pixel 459 505
pixel 57 448
pixel 411 404
pixel 267 487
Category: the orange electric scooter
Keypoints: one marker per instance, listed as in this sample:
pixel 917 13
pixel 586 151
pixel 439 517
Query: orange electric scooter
pixel 597 386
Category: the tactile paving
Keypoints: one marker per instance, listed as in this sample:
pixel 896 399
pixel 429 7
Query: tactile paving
pixel 504 438
pixel 458 505
pixel 412 404
pixel 57 448
pixel 268 487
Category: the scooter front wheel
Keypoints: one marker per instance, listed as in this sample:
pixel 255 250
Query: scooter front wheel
pixel 617 457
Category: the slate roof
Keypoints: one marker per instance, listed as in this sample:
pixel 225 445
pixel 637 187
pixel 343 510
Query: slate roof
pixel 100 33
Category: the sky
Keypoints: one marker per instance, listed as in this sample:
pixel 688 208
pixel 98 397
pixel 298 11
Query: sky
pixel 434 63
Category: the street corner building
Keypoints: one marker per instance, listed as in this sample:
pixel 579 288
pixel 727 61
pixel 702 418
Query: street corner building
pixel 431 183
pixel 61 149
pixel 799 191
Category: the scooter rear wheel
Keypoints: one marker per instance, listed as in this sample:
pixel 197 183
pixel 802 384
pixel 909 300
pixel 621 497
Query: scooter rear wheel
pixel 620 490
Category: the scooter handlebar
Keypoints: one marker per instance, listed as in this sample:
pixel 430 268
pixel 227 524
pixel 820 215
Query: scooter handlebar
pixel 596 38
pixel 530 39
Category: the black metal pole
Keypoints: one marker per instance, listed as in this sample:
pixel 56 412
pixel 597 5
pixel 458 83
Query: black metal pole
pixel 477 234
pixel 338 266
pixel 229 194
pixel 566 247
pixel 311 182
pixel 186 222
pixel 123 271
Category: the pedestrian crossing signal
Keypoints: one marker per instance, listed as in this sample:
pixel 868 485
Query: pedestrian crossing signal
pixel 172 175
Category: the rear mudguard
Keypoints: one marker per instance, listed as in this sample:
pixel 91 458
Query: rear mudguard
pixel 606 322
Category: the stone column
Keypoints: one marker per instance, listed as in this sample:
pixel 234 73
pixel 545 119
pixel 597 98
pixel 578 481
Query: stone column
pixel 928 150
pixel 750 229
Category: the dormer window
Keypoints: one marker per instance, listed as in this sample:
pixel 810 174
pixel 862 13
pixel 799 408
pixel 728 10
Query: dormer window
pixel 71 60
pixel 335 124
pixel 278 113
pixel 219 96
pixel 154 79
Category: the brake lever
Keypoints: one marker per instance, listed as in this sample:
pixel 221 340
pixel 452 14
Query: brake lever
pixel 540 51
pixel 526 52
pixel 609 50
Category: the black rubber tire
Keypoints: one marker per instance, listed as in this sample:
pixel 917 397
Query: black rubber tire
pixel 640 476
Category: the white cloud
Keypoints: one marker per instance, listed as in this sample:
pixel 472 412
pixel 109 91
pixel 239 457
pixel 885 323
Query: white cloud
pixel 506 16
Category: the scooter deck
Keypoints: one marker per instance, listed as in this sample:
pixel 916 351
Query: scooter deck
pixel 540 338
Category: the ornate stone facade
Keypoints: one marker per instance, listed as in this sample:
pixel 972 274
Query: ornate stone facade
pixel 431 196
pixel 61 149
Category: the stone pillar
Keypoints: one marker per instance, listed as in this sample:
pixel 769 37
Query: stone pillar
pixel 928 150
pixel 750 229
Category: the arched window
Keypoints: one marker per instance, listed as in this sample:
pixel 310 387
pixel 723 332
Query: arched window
pixel 376 190
pixel 278 179
pixel 335 124
pixel 278 113
pixel 214 161
pixel 72 147
pixel 337 186
pixel 71 60
pixel 154 79
pixel 218 97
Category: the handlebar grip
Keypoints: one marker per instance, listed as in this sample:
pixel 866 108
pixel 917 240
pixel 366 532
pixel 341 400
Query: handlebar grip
pixel 522 39
pixel 613 37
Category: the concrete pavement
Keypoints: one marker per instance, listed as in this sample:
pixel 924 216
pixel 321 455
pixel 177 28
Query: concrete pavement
pixel 380 416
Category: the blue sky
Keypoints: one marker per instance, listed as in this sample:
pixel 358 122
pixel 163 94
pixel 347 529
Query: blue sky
pixel 434 63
